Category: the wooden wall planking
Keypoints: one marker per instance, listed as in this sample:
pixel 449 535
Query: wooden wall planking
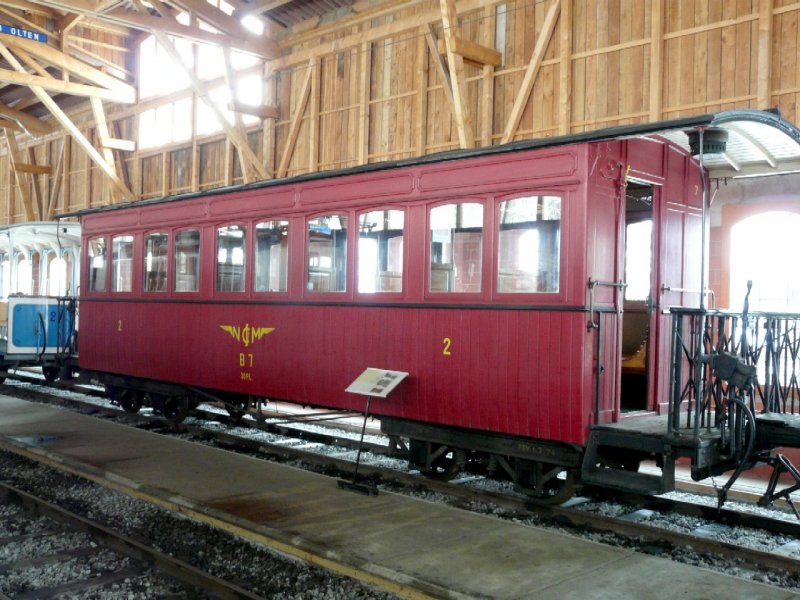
pixel 374 90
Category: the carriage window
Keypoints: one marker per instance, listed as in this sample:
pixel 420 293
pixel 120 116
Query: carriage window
pixel 122 263
pixel 456 241
pixel 272 256
pixel 380 251
pixel 230 258
pixel 529 243
pixel 156 246
pixel 187 260
pixel 327 254
pixel 97 265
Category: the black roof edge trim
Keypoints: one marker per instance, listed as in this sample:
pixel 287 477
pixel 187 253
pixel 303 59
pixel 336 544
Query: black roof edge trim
pixel 599 135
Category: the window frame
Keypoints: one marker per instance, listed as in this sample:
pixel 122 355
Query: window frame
pixel 531 298
pixel 134 264
pixel 347 293
pixel 487 244
pixel 290 270
pixel 382 296
pixel 169 277
pixel 173 267
pixel 88 267
pixel 247 257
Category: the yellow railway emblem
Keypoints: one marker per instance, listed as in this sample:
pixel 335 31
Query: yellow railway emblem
pixel 248 334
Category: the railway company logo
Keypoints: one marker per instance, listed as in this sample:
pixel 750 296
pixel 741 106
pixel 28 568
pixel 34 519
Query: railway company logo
pixel 248 334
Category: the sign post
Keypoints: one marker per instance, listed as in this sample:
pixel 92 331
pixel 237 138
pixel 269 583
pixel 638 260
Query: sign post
pixel 372 383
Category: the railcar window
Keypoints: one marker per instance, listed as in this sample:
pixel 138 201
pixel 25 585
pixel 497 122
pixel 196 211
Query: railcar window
pixel 122 263
pixel 156 247
pixel 187 260
pixel 97 265
pixel 327 254
pixel 272 256
pixel 529 245
pixel 456 238
pixel 380 251
pixel 230 258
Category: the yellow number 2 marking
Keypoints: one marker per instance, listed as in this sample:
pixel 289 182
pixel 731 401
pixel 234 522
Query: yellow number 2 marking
pixel 119 325
pixel 446 341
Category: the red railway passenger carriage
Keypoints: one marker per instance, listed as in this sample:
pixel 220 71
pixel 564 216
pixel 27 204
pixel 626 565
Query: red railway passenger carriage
pixel 493 277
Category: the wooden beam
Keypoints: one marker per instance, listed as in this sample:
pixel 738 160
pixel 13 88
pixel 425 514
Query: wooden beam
pixel 55 185
pixel 441 68
pixel 69 22
pixel 213 16
pixel 532 70
pixel 363 103
pixel 101 128
pixel 67 123
pixel 11 125
pixel 28 122
pixel 22 182
pixel 455 62
pixel 473 53
pixel 34 169
pixel 263 47
pixel 656 60
pixel 202 92
pixel 230 80
pixel 297 120
pixel 565 69
pixel 262 112
pixel 489 35
pixel 75 67
pixel 21 77
pixel 117 144
pixel 764 54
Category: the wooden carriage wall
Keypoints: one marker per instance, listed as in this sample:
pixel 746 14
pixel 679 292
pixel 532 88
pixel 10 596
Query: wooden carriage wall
pixel 382 80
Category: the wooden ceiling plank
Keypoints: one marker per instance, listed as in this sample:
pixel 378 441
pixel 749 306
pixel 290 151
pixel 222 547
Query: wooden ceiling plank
pixel 546 33
pixel 455 62
pixel 28 122
pixel 260 7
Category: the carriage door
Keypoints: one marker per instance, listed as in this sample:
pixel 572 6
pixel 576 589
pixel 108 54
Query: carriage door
pixel 639 319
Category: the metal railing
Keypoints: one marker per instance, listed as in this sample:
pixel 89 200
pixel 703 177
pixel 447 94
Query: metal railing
pixel 720 356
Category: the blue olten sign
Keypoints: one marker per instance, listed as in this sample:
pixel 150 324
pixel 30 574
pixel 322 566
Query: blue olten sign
pixel 23 33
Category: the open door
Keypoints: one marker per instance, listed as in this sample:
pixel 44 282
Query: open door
pixel 639 321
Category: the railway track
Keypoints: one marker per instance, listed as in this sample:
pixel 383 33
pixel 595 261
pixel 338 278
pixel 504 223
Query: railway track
pixel 646 523
pixel 49 551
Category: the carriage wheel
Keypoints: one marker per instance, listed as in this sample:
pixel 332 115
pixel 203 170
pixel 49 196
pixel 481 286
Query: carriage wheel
pixel 50 373
pixel 446 464
pixel 550 484
pixel 175 408
pixel 129 400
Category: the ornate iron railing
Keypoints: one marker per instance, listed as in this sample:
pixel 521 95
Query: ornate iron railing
pixel 720 356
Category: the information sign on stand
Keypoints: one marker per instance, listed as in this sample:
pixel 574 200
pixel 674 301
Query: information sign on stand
pixel 372 383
